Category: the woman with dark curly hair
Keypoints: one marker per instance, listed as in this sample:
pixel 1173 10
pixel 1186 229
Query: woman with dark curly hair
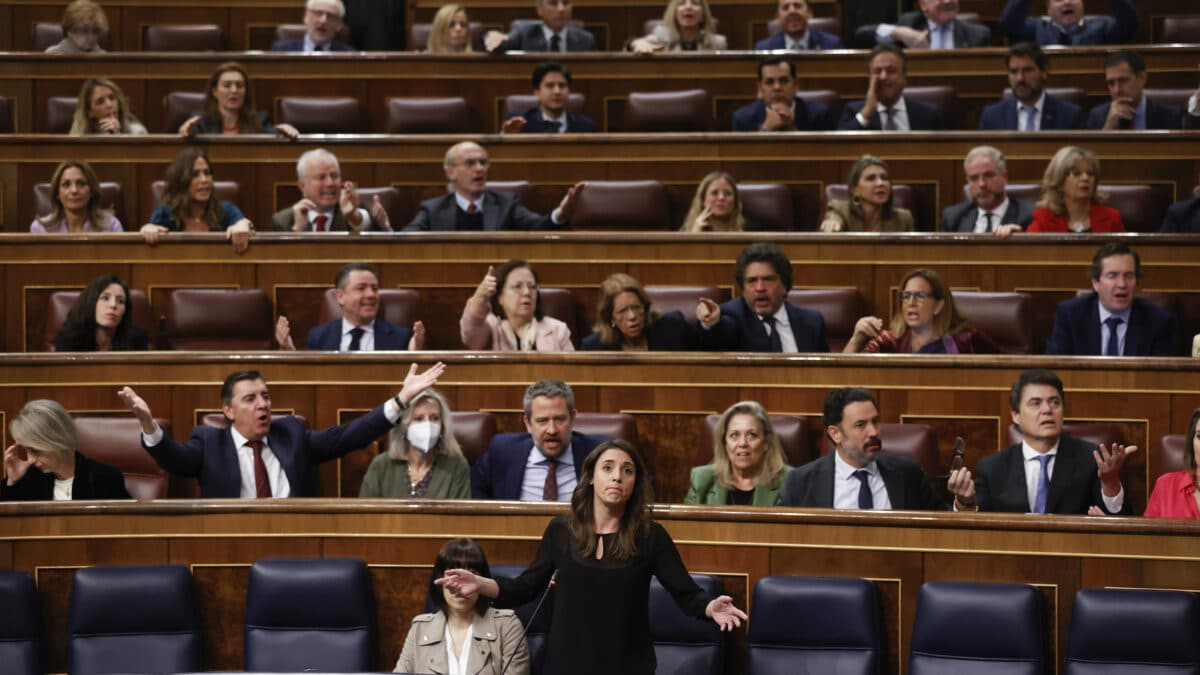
pixel 190 204
pixel 100 320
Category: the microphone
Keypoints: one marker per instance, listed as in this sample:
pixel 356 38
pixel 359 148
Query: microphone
pixel 525 631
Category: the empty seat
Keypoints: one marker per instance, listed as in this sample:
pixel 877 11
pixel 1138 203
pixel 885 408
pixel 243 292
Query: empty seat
pixel 218 319
pixel 179 106
pixel 418 36
pixel 320 115
pixel 1133 632
pixel 814 625
pixel 133 620
pixel 829 24
pixel 666 111
pixel 295 31
pixel 768 205
pixel 183 38
pixel 522 188
pixel 110 198
pixel 389 197
pixel 1180 29
pixel 902 196
pixel 622 205
pixel 943 98
pixel 310 614
pixel 397 306
pixel 1142 207
pixel 537 627
pixel 1176 97
pixel 1006 318
pixel 1170 454
pixel 20 624
pixel 983 629
pixel 607 425
pixel 558 303
pixel 826 97
pixel 60 112
pixel 685 645
pixel 1074 95
pixel 792 432
pixel 473 430
pixel 840 307
pixel 450 115
pixel 682 299
pixel 6 118
pixel 519 103
pixel 117 442
pixel 225 190
pixel 60 305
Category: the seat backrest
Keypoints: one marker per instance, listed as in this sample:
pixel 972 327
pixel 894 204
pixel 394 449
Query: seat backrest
pixel 6 118
pixel 310 614
pixel 814 625
pixel 537 626
pixel 523 189
pixel 397 306
pixel 666 111
pixel 117 442
pixel 139 619
pixel 418 36
pixel 1142 207
pixel 1006 318
pixel 1098 433
pixel 829 24
pixel 47 34
pixel 682 644
pixel 61 303
pixel 219 421
pixel 1176 98
pixel 991 629
pixel 110 199
pixel 902 195
pixel 622 205
pixel 20 624
pixel 225 190
pixel 917 442
pixel 206 37
pixel 179 106
pixel 218 319
pixel 942 97
pixel 519 103
pixel 1140 631
pixel 295 31
pixel 792 432
pixel 560 304
pixel 682 299
pixel 607 425
pixel 321 115
pixel 769 205
pixel 473 430
pixel 60 112
pixel 446 115
pixel 1180 29
pixel 389 197
pixel 840 307
pixel 1074 95
pixel 827 97
pixel 1170 454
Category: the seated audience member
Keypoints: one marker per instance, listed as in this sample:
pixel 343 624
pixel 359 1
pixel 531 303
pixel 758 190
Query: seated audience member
pixel 327 203
pixel 505 314
pixel 554 33
pixel 256 456
pixel 101 320
pixel 935 26
pixel 356 289
pixel 886 107
pixel 44 462
pixel 1112 321
pixel 1070 201
pixel 103 109
pixel 465 634
pixel 748 465
pixel 1176 494
pixel 450 32
pixel 1065 24
pixel 1048 471
pixel 322 21
pixel 190 204
pixel 869 208
pixel 716 206
pixel 552 87
pixel 542 464
pixel 1183 217
pixel 626 322
pixel 777 108
pixel 857 475
pixel 229 107
pixel 83 23
pixel 687 27
pixel 471 206
pixel 990 208
pixel 423 459
pixel 760 320
pixel 926 322
pixel 1125 73
pixel 796 34
pixel 75 199
pixel 1030 108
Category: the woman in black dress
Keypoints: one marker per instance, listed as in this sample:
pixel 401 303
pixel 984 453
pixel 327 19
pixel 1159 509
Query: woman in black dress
pixel 625 321
pixel 101 320
pixel 601 557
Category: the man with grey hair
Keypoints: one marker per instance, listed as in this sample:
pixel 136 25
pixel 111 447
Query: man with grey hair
pixel 323 19
pixel 327 204
pixel 542 464
pixel 990 209
pixel 554 33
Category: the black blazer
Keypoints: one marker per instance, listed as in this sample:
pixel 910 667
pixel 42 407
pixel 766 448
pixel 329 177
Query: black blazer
pixel 740 329
pixel 669 333
pixel 82 342
pixel 501 470
pixel 501 211
pixel 1158 116
pixel 921 117
pixel 1074 485
pixel 966 34
pixel 93 480
pixel 810 116
pixel 328 336
pixel 530 38
pixel 1076 332
pixel 1056 114
pixel 811 485
pixel 208 125
pixel 962 216
pixel 535 123
pixel 1183 216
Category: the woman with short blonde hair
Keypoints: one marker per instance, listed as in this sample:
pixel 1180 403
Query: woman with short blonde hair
pixel 44 462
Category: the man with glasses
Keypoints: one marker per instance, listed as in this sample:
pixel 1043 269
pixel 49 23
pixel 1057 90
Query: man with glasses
pixel 322 21
pixel 472 206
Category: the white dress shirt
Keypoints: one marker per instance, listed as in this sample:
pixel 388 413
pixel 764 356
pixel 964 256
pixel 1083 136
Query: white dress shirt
pixel 456 664
pixel 536 466
pixel 366 343
pixel 846 485
pixel 63 489
pixel 464 203
pixel 799 44
pixel 981 220
pixel 562 37
pixel 787 338
pixel 1033 474
pixel 1023 114
pixel 899 113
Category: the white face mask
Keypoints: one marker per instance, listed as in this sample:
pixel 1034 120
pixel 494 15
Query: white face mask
pixel 423 435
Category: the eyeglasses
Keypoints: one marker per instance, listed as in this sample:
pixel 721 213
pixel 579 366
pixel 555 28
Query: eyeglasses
pixel 736 436
pixel 629 309
pixel 523 286
pixel 919 296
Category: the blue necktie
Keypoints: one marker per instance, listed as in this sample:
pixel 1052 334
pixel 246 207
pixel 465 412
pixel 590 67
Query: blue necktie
pixel 1039 502
pixel 865 500
pixel 1113 346
pixel 1030 113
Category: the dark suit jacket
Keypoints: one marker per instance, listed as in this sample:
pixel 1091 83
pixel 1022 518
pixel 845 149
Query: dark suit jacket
pixel 297 45
pixel 1151 330
pixel 1158 116
pixel 328 336
pixel 1096 30
pixel 1074 485
pixel 93 480
pixel 966 34
pixel 501 211
pixel 740 329
pixel 535 123
pixel 501 470
pixel 962 216
pixel 817 39
pixel 921 117
pixel 1056 114
pixel 1183 216
pixel 670 333
pixel 810 116
pixel 281 221
pixel 529 38
pixel 210 456
pixel 811 485
pixel 208 125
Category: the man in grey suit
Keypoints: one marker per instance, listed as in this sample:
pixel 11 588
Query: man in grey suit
pixel 552 34
pixel 471 206
pixel 936 26
pixel 327 204
pixel 990 208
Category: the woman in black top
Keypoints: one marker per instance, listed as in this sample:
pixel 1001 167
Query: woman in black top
pixel 229 107
pixel 601 557
pixel 100 320
pixel 43 464
pixel 625 322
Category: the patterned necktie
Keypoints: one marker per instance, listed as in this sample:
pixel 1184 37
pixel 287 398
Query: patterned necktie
pixel 321 221
pixel 262 484
pixel 1113 346
pixel 865 500
pixel 550 488
pixel 1039 501
pixel 356 334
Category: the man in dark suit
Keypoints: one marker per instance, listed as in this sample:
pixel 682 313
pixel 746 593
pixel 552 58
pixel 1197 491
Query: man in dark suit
pixel 471 206
pixel 1125 73
pixel 256 456
pixel 356 289
pixel 936 26
pixel 885 107
pixel 760 320
pixel 777 108
pixel 990 208
pixel 552 87
pixel 1112 321
pixel 1030 108
pixel 322 21
pixel 797 35
pixel 856 475
pixel 552 34
pixel 327 204
pixel 1048 472
pixel 543 464
pixel 1065 24
pixel 1183 217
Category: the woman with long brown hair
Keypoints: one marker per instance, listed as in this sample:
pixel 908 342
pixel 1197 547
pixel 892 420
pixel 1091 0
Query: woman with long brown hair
pixel 190 204
pixel 229 107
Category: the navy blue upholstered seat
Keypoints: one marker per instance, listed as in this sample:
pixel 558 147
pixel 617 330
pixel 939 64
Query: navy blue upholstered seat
pixel 1134 632
pixel 983 629
pixel 20 624
pixel 685 645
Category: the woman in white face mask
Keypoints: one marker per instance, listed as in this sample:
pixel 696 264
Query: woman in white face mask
pixel 423 458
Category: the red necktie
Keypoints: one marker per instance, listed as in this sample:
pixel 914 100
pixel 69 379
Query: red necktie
pixel 262 484
pixel 471 209
pixel 320 222
pixel 550 489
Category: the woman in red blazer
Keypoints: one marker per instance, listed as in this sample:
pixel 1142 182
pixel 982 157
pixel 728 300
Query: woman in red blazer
pixel 1070 202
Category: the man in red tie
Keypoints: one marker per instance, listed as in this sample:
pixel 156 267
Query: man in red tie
pixel 327 204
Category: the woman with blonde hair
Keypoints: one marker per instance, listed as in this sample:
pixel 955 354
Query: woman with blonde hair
pixel 926 322
pixel 44 462
pixel 626 322
pixel 75 202
pixel 102 108
pixel 1070 201
pixel 748 466
pixel 716 207
pixel 423 459
pixel 870 207
pixel 687 25
pixel 451 31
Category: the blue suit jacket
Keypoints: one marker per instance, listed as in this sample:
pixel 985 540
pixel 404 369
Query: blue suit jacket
pixel 817 39
pixel 1056 114
pixel 1096 30
pixel 501 470
pixel 921 117
pixel 328 336
pixel 1151 330
pixel 811 485
pixel 740 329
pixel 535 123
pixel 810 116
pixel 209 454
pixel 1183 216
pixel 1074 485
pixel 1158 116
pixel 297 45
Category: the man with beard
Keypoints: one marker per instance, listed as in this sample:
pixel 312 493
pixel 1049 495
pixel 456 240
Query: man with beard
pixel 886 107
pixel 777 108
pixel 1030 108
pixel 552 87
pixel 935 26
pixel 990 209
pixel 327 204
pixel 1065 24
pixel 796 34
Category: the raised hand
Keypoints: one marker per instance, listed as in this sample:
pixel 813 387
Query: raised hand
pixel 415 383
pixel 417 342
pixel 14 465
pixel 487 287
pixel 1109 460
pixel 870 103
pixel 567 206
pixel 139 408
pixel 189 126
pixel 722 611
pixel 702 218
pixel 300 214
pixel 708 312
pixel 380 215
pixel 283 334
pixel 864 329
pixel 109 125
pixel 962 486
pixel 494 39
pixel 461 583
pixel 1119 111
pixel 348 201
pixel 780 116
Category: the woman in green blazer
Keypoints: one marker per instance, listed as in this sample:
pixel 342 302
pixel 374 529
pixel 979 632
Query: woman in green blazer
pixel 748 465
pixel 423 459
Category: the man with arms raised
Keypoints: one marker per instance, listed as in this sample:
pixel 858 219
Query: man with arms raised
pixel 797 35
pixel 1030 108
pixel 322 21
pixel 327 203
pixel 990 209
pixel 935 26
pixel 1065 24
pixel 777 108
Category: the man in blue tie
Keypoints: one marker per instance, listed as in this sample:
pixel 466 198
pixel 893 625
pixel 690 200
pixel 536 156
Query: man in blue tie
pixel 1129 109
pixel 1030 108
